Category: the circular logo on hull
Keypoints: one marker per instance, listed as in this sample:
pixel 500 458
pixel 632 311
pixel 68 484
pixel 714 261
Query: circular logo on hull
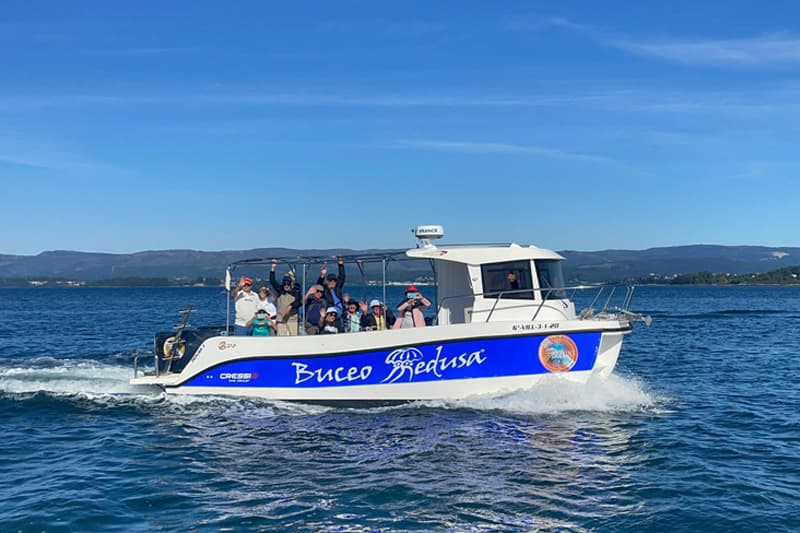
pixel 558 353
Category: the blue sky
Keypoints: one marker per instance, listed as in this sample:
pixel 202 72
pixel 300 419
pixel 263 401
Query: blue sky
pixel 128 126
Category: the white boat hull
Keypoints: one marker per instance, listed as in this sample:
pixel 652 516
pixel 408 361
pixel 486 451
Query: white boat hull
pixel 440 362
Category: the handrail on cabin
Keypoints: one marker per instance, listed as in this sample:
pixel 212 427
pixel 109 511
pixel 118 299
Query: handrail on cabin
pixel 545 297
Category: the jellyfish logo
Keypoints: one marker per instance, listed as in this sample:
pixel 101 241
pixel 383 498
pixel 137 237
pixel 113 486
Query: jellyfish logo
pixel 402 361
pixel 558 353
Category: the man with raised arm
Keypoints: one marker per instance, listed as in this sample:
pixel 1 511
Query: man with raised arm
pixel 289 301
pixel 246 304
pixel 332 285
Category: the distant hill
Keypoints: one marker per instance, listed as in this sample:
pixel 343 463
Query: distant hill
pixel 611 265
pixel 175 263
pixel 606 265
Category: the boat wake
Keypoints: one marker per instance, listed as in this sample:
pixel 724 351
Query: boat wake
pixel 84 378
pixel 108 383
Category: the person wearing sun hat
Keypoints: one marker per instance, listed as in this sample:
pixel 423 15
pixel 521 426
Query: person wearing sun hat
pixel 379 318
pixel 246 304
pixel 353 312
pixel 410 311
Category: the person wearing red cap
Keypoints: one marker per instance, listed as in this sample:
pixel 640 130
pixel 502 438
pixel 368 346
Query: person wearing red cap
pixel 246 306
pixel 410 311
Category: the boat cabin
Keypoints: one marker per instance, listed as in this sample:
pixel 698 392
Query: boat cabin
pixel 474 286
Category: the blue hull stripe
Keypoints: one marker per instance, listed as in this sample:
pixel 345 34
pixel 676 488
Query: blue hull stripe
pixel 482 358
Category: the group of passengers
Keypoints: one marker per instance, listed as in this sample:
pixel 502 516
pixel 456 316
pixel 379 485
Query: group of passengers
pixel 327 309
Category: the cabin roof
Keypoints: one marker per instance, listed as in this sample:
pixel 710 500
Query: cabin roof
pixel 478 254
pixel 473 254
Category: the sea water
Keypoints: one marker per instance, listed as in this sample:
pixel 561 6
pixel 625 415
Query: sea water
pixel 697 430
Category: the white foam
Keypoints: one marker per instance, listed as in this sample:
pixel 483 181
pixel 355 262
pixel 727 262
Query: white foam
pixel 67 377
pixel 615 394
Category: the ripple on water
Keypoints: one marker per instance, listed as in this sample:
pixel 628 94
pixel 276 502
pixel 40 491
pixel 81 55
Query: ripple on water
pixel 697 430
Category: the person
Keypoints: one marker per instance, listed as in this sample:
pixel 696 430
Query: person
pixel 353 314
pixel 246 303
pixel 261 324
pixel 333 286
pixel 330 323
pixel 289 301
pixel 315 305
pixel 378 319
pixel 266 302
pixel 512 283
pixel 410 311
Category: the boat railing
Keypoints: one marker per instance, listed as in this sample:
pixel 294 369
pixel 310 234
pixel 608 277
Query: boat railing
pixel 608 310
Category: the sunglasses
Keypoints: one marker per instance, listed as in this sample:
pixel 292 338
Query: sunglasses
pixel 331 314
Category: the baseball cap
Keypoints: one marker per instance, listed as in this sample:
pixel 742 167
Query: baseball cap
pixel 332 310
pixel 410 288
pixel 331 277
pixel 375 303
pixel 248 281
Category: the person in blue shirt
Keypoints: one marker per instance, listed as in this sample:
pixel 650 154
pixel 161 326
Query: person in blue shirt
pixel 315 306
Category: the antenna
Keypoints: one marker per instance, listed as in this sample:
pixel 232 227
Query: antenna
pixel 426 233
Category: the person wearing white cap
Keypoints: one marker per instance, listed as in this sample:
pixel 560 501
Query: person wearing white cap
pixel 378 319
pixel 331 323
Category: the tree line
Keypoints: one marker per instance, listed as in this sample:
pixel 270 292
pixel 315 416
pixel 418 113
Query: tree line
pixel 783 276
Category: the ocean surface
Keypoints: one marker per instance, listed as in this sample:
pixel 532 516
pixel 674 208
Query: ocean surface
pixel 697 430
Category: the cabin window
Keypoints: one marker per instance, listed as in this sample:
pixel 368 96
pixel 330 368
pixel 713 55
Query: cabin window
pixel 551 276
pixel 496 280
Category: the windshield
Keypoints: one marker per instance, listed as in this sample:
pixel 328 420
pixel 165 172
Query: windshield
pixel 550 277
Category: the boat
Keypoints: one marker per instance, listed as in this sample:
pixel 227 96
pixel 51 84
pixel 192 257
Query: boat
pixel 483 337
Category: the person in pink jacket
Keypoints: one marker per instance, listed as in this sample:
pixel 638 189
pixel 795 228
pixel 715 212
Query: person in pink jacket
pixel 410 311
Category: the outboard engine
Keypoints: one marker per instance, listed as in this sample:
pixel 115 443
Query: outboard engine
pixel 174 349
